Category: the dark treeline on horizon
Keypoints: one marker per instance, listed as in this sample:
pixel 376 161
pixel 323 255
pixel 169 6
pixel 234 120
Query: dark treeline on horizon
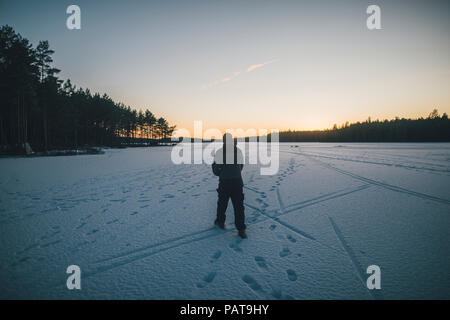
pixel 42 111
pixel 434 128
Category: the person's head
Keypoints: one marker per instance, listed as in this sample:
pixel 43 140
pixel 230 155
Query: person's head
pixel 228 139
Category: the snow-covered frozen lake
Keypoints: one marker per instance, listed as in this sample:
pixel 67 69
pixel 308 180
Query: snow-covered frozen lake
pixel 140 227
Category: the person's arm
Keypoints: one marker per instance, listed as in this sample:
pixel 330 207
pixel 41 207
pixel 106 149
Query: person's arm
pixel 217 165
pixel 217 168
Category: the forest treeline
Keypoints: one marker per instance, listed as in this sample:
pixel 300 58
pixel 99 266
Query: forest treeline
pixel 40 110
pixel 434 128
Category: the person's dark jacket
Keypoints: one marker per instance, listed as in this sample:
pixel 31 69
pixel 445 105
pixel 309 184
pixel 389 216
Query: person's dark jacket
pixel 227 169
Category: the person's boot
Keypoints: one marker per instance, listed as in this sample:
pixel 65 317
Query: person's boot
pixel 242 234
pixel 221 225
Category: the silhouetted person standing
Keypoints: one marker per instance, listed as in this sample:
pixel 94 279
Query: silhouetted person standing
pixel 228 164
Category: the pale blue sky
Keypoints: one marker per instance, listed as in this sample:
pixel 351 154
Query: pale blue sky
pixel 189 60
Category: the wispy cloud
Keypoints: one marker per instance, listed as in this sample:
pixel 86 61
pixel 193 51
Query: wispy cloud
pixel 256 66
pixel 226 79
pixel 237 73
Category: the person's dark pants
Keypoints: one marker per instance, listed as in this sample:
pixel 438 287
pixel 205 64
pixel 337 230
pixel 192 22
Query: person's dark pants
pixel 231 188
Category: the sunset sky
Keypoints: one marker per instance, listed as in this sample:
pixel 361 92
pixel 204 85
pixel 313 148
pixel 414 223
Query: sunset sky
pixel 251 64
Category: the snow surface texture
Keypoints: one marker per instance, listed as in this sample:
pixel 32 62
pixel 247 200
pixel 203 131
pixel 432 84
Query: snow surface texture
pixel 140 227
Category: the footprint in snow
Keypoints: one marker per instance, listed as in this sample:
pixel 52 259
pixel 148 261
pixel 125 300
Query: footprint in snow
pixel 285 252
pixel 291 274
pixel 235 245
pixel 207 279
pixel 291 238
pixel 261 262
pixel 252 283
pixel 216 255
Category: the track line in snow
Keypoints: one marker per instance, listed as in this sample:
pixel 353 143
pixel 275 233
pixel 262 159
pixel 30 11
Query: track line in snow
pixel 439 171
pixel 353 259
pixel 126 259
pixel 280 201
pixel 252 189
pixel 332 195
pixel 377 183
pixel 315 198
pixel 161 243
